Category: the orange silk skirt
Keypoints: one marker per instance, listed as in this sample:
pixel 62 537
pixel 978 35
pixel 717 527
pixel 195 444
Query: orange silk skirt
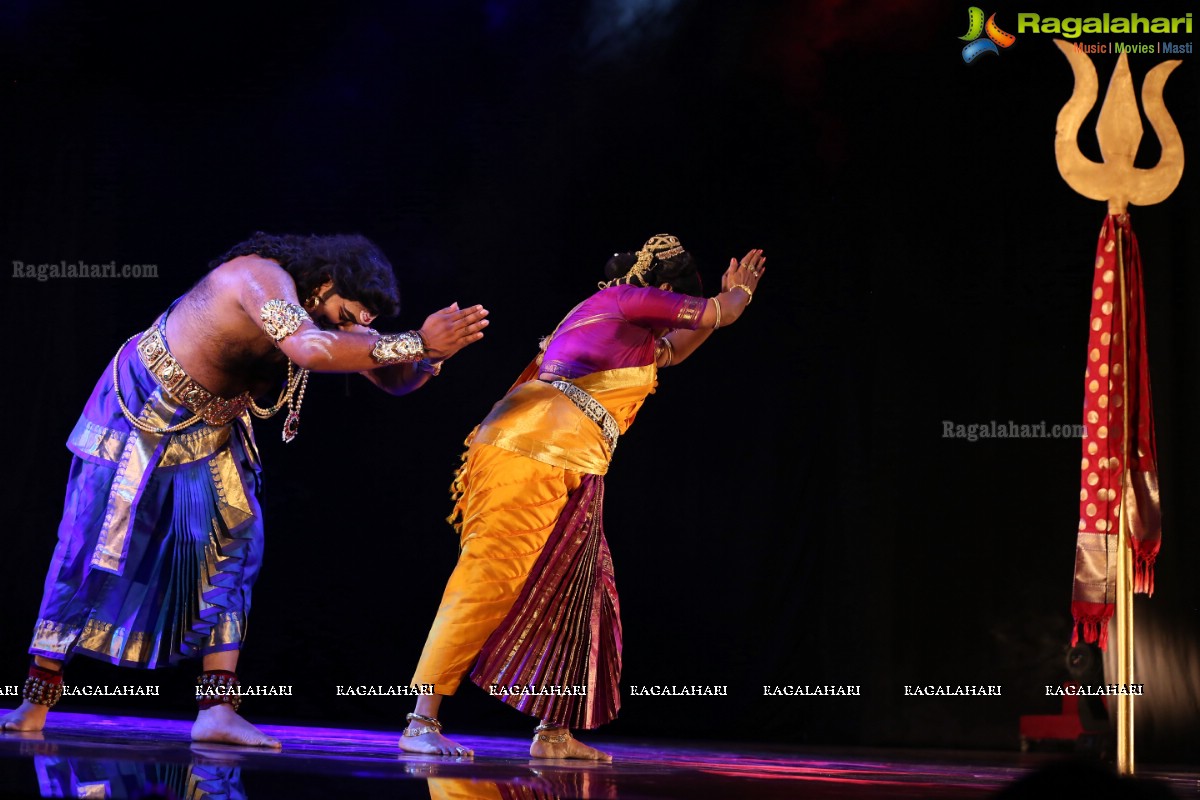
pixel 510 505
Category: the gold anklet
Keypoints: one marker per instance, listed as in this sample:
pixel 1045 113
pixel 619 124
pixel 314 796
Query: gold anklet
pixel 432 725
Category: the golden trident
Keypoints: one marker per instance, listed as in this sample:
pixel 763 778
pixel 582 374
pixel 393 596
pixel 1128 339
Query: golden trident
pixel 1119 131
pixel 1118 181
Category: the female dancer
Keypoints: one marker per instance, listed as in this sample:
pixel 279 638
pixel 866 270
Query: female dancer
pixel 532 603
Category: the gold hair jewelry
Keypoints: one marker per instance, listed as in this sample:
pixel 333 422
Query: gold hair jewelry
pixel 661 246
pixel 749 292
pixel 281 319
pixel 399 348
pixel 717 306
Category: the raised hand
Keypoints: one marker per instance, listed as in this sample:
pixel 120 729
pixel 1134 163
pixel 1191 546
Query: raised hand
pixel 447 331
pixel 740 281
pixel 747 272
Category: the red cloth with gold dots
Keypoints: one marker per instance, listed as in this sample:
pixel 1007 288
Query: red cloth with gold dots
pixel 1119 472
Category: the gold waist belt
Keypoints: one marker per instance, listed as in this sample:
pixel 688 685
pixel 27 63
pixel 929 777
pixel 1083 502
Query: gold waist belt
pixel 152 350
pixel 593 409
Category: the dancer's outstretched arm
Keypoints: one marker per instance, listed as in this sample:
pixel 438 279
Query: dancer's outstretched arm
pixel 738 285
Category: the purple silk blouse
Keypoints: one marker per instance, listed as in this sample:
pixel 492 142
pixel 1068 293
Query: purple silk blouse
pixel 614 328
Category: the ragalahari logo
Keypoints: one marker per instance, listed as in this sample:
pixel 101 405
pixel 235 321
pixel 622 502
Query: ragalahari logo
pixel 976 27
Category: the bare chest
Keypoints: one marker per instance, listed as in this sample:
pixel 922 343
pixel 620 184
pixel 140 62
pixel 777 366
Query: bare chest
pixel 222 348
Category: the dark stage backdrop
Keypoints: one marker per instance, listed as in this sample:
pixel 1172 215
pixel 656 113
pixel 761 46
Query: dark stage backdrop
pixel 787 509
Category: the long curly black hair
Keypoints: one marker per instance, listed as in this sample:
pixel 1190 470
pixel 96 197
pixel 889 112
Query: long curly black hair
pixel 358 268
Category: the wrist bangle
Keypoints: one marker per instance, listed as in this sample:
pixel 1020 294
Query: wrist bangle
pixel 398 348
pixel 665 348
pixel 717 306
pixel 746 289
pixel 434 368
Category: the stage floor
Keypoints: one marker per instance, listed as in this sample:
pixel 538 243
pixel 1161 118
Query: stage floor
pixel 83 755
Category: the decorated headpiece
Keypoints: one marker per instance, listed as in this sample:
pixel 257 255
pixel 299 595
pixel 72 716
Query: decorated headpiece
pixel 661 246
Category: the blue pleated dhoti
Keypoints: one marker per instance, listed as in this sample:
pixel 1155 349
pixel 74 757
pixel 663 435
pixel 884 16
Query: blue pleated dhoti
pixel 161 536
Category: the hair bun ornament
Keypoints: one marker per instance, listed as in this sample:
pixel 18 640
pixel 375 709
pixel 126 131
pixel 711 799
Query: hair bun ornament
pixel 661 246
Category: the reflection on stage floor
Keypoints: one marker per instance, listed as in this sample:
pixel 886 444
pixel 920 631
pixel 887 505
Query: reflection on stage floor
pixel 85 755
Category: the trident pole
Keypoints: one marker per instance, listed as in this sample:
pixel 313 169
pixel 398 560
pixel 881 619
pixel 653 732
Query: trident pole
pixel 1124 611
pixel 1117 181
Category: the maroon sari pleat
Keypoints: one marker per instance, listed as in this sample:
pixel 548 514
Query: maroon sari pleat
pixel 564 631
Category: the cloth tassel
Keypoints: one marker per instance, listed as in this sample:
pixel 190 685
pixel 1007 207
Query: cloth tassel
pixel 1143 574
pixel 1095 631
pixel 458 486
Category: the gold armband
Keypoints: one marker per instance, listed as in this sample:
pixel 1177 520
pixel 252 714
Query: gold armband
pixel 281 319
pixel 399 348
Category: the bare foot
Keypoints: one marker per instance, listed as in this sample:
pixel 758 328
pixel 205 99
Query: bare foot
pixel 433 743
pixel 222 724
pixel 26 717
pixel 570 748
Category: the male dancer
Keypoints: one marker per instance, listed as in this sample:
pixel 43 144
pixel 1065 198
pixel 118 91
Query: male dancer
pixel 161 536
